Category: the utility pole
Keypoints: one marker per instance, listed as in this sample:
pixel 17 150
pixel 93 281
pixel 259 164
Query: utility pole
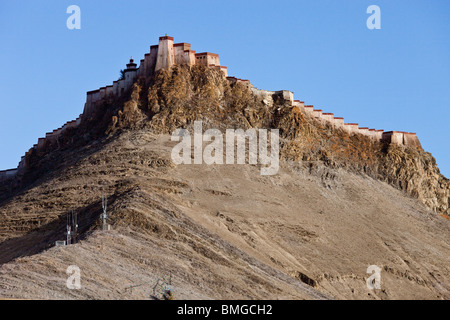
pixel 104 216
pixel 68 230
pixel 71 227
pixel 75 226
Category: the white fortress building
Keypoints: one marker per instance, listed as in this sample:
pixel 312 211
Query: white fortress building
pixel 162 56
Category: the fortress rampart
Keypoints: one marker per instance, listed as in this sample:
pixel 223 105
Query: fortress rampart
pixel 50 137
pixel 396 137
pixel 166 54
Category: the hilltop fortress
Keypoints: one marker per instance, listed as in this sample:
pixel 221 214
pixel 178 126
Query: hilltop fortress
pixel 167 54
pixel 161 56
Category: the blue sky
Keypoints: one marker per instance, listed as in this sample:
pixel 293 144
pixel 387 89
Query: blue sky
pixel 396 78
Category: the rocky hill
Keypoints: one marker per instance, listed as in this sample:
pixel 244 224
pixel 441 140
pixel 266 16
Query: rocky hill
pixel 340 203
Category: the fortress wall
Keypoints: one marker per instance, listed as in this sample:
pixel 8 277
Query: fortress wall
pixel 141 68
pixel 87 108
pixel 7 174
pixel 130 76
pixel 102 93
pixel 40 144
pixel 88 98
pixel 411 140
pixel 11 173
pixel 207 59
pixel 386 136
pixel 91 98
pixel 53 136
pixel 395 137
pixel 364 131
pixel 300 104
pixel 288 95
pixel 328 117
pixel 375 134
pixel 201 59
pixel 309 109
pixel 224 70
pixel 259 92
pixel 115 88
pixel 189 57
pixel 263 95
pixel 179 52
pixel 234 79
pixel 109 90
pixel 165 57
pixel 338 122
pixel 71 124
pixel 150 60
pixel 213 59
pixel 145 72
pixel 317 114
pixel 183 45
pixel 378 134
pixel 245 82
pixel 21 163
pixel 351 127
pixel 283 94
pixel 49 137
pixel 122 87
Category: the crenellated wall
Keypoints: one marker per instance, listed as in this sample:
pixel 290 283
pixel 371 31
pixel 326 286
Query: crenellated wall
pixel 50 137
pixel 397 137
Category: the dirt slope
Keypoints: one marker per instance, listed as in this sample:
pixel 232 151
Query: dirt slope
pixel 221 232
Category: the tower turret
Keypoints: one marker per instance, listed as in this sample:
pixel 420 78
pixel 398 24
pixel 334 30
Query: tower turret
pixel 130 72
pixel 166 57
pixel 131 65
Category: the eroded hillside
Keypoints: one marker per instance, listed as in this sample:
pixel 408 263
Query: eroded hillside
pixel 339 203
pixel 222 232
pixel 177 97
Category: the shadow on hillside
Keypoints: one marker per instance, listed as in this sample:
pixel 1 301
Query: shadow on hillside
pixel 48 167
pixel 45 236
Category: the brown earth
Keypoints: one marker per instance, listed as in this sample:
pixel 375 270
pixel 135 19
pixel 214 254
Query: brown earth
pixel 222 231
pixel 338 204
